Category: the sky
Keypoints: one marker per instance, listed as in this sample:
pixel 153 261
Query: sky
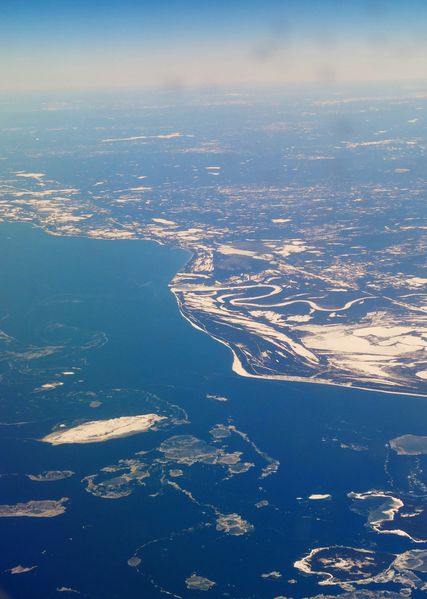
pixel 94 44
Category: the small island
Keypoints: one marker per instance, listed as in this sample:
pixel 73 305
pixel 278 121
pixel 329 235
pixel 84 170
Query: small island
pixel 409 445
pixel 48 508
pixel 96 431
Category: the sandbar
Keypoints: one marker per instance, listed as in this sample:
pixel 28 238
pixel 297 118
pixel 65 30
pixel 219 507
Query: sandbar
pixel 96 431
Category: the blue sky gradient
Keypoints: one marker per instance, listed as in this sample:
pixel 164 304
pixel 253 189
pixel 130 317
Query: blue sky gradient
pixel 46 44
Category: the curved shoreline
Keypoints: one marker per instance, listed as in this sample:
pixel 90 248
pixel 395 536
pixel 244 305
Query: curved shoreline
pixel 236 366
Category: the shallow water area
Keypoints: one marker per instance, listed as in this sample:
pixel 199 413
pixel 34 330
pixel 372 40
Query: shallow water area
pixel 98 309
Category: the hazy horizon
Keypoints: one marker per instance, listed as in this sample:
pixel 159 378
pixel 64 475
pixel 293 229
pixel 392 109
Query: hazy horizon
pixel 167 44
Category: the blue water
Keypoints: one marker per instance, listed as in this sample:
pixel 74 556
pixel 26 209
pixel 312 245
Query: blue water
pixel 120 289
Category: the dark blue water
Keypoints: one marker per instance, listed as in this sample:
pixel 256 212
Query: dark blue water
pixel 78 293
